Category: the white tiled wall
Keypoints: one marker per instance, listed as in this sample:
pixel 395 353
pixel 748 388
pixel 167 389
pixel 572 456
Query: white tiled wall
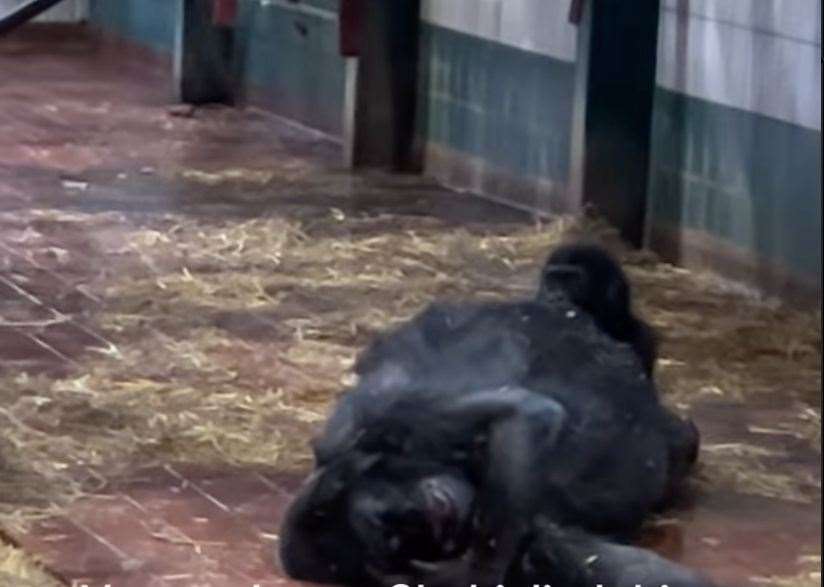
pixel 762 56
pixel 539 26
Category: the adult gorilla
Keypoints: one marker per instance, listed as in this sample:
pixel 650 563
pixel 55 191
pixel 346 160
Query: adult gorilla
pixel 468 423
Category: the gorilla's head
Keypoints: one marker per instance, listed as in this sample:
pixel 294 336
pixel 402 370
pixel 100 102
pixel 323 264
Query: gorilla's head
pixel 363 516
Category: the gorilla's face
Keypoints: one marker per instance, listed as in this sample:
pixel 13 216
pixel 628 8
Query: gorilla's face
pixel 365 516
pixel 419 519
pixel 568 282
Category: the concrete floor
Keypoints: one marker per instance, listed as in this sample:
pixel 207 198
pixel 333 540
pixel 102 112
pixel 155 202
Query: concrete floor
pixel 90 130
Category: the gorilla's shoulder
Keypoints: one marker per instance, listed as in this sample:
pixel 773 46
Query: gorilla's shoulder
pixel 430 333
pixel 446 321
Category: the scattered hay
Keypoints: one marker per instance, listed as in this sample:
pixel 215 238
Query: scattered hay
pixel 230 339
pixel 718 343
pixel 289 169
pixel 746 469
pixel 808 576
pixel 806 427
pixel 18 569
pixel 242 175
pixel 809 426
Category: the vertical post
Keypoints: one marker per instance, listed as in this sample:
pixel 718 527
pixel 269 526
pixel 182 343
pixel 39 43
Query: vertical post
pixel 612 115
pixel 384 91
pixel 350 100
pixel 351 40
pixel 204 49
pixel 580 16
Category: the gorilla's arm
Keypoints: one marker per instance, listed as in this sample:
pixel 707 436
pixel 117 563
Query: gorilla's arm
pixel 522 426
pixel 573 558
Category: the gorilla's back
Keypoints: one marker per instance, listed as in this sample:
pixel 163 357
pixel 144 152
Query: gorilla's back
pixel 481 346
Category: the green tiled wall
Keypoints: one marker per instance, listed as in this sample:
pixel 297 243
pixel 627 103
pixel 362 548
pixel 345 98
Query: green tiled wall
pixel 288 56
pixel 148 22
pixel 751 180
pixel 293 57
pixel 509 107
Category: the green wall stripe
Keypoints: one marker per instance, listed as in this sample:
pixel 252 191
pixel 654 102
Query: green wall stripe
pixel 507 106
pixel 291 55
pixel 752 180
pixel 149 22
pixel 294 58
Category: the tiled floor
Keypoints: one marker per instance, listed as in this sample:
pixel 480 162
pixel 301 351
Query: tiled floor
pixel 84 133
pixel 88 133
pixel 174 526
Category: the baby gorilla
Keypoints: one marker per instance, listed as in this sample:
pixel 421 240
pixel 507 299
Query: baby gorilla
pixel 589 277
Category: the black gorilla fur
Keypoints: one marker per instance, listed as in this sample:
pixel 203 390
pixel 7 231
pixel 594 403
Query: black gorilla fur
pixel 589 277
pixel 470 422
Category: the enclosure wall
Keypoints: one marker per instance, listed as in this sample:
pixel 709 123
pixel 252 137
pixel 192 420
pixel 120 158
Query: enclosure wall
pixel 287 53
pixel 735 178
pixel 289 59
pixel 736 169
pixel 496 96
pixel 150 23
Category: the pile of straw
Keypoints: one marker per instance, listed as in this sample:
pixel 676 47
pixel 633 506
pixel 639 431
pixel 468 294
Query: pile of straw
pixel 230 340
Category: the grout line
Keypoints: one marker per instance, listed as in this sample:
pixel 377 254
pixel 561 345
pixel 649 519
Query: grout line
pixel 751 28
pixel 272 486
pixel 120 554
pixel 203 493
pixel 297 125
pixel 44 345
pixel 54 274
pixel 31 297
pixel 65 318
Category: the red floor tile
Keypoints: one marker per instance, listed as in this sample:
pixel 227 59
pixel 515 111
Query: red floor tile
pixel 183 526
